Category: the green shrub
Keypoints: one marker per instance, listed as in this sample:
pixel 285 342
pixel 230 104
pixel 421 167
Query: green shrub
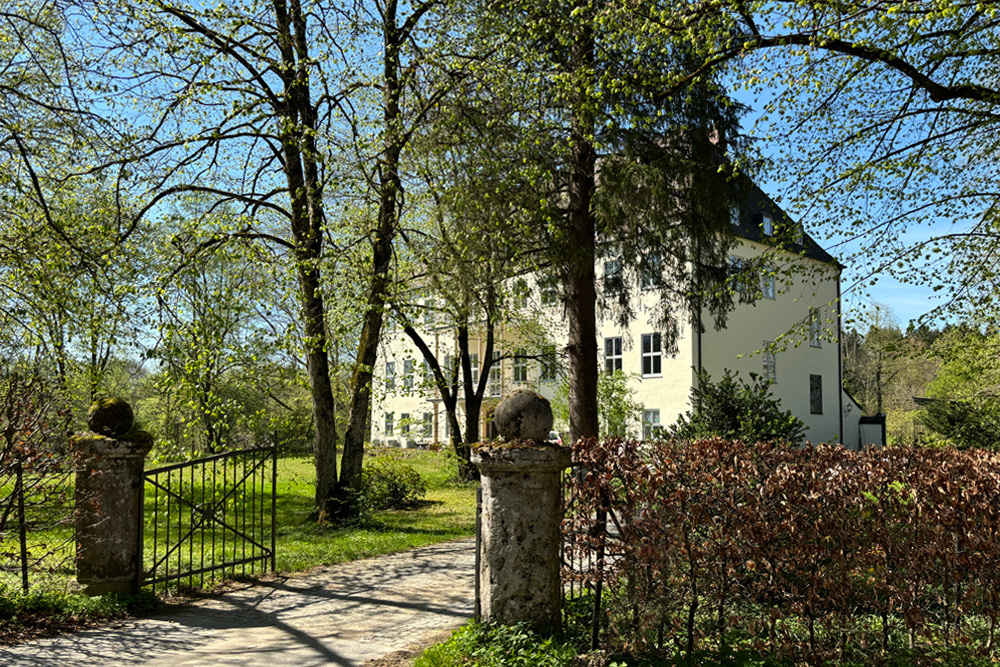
pixel 476 645
pixel 389 483
pixel 734 409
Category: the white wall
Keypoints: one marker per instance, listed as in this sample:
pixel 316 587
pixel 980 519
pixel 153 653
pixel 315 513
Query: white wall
pixel 802 284
pixel 785 319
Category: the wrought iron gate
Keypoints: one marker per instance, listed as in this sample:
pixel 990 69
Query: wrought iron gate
pixel 210 519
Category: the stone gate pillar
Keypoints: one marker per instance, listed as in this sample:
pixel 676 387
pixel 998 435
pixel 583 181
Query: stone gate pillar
pixel 520 534
pixel 109 507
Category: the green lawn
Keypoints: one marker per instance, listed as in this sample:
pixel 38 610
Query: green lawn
pixel 449 512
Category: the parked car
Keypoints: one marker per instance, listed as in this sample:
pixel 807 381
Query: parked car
pixel 555 438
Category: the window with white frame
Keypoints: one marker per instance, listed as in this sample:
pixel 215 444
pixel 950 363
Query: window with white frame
pixel 428 424
pixel 651 270
pixel 520 370
pixel 404 423
pixel 549 293
pixel 816 394
pixel 388 422
pixel 815 328
pixel 474 363
pixel 430 310
pixel 613 282
pixel 650 424
pixel 652 355
pixel 737 267
pixel 494 385
pixel 448 369
pixel 768 284
pixel 390 375
pixel 612 354
pixel 521 292
pixel 549 364
pixel 769 369
pixel 408 374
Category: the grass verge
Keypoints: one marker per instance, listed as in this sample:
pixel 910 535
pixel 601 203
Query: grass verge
pixel 48 611
pixel 477 645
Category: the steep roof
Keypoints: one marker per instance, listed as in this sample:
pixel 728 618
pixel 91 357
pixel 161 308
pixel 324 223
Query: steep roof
pixel 749 227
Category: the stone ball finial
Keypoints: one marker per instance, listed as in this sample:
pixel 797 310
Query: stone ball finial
pixel 110 416
pixel 524 415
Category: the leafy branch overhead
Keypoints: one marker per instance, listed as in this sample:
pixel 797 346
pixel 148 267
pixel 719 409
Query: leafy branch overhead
pixel 883 122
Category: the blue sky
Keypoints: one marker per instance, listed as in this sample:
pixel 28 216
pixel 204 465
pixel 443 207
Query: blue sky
pixel 906 302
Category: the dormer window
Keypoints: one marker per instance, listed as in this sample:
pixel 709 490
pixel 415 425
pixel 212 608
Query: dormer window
pixel 767 225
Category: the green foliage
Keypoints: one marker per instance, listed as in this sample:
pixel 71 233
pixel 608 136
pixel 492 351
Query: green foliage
pixel 888 131
pixel 387 482
pixel 52 607
pixel 74 313
pixel 616 409
pixel 965 394
pixel 477 645
pixel 972 422
pixel 733 409
pixel 970 364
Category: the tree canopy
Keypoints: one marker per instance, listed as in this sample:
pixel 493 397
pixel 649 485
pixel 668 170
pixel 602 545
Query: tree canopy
pixel 883 118
pixel 626 171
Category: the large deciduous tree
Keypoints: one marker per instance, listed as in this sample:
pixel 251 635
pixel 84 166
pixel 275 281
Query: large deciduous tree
pixel 280 107
pixel 467 260
pixel 893 111
pixel 964 405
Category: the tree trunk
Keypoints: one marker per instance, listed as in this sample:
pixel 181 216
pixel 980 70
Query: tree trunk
pixel 581 296
pixel 297 123
pixel 328 494
pixel 390 190
pixel 449 399
pixel 473 406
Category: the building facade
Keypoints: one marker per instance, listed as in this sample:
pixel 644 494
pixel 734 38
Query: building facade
pixel 786 331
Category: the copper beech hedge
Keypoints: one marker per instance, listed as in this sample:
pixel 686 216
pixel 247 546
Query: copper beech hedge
pixel 817 554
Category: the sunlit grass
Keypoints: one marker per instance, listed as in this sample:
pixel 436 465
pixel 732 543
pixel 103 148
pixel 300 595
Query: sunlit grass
pixel 448 512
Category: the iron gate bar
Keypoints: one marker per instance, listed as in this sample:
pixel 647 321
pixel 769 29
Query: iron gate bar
pixel 193 527
pixel 211 513
pixel 210 516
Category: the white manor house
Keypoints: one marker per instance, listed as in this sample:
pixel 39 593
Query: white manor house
pixel 790 335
